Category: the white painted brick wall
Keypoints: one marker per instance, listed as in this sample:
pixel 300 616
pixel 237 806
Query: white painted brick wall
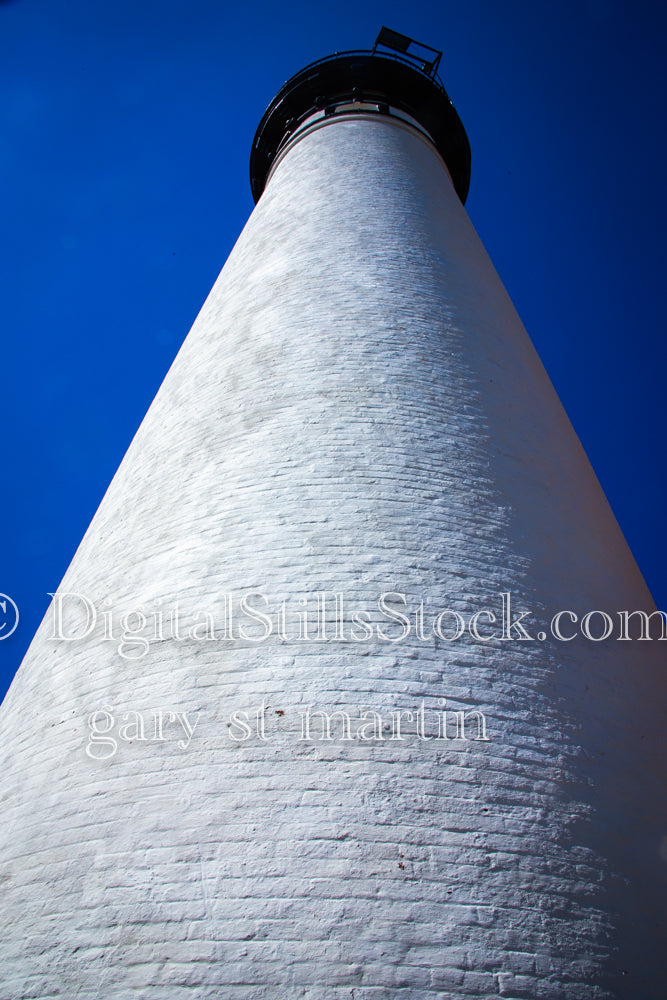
pixel 357 409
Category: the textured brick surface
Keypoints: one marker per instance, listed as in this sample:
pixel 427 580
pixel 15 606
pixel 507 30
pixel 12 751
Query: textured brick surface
pixel 357 409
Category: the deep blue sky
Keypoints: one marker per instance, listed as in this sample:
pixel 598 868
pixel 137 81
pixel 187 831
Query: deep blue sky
pixel 125 134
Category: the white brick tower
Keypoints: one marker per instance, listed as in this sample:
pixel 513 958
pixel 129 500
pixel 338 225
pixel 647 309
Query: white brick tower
pixel 354 481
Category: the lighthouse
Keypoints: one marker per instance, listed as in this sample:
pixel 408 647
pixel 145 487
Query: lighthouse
pixel 353 687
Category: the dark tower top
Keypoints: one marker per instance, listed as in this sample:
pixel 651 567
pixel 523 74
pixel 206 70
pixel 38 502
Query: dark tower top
pixel 401 80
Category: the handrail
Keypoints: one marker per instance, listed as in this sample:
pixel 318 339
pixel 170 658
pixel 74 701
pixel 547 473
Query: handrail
pixel 376 55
